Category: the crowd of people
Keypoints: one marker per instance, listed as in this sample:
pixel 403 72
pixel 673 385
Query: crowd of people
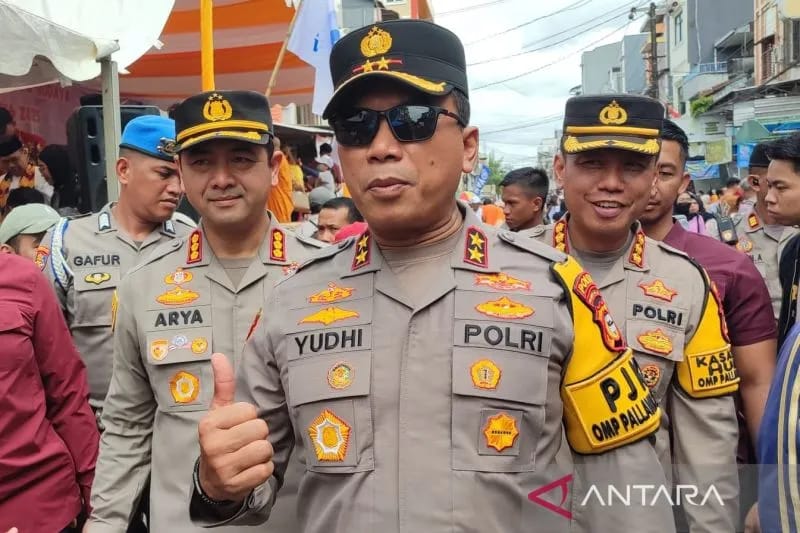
pixel 343 345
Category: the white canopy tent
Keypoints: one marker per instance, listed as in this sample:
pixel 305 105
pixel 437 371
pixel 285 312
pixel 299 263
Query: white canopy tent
pixel 61 41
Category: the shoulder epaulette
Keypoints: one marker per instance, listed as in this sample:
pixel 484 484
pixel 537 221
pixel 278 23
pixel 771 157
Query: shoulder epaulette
pixel 314 243
pixel 163 249
pixel 530 244
pixel 669 249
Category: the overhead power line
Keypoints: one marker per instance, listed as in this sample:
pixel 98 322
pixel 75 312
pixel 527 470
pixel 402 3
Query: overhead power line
pixel 542 67
pixel 575 5
pixel 538 122
pixel 469 8
pixel 616 14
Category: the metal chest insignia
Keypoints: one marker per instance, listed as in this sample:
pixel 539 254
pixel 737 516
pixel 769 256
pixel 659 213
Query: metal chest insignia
pixel 651 374
pixel 98 278
pixel 586 289
pixel 330 435
pixel 184 387
pixel 177 295
pixel 333 293
pixel 502 282
pixel 195 252
pixel 504 308
pixel 277 249
pixel 159 349
pixel 656 341
pixel 328 316
pixel 362 254
pixel 476 249
pixel 636 256
pixel 744 245
pixel 340 376
pixel 291 268
pixel 500 431
pixel 114 307
pixel 199 345
pixel 657 289
pixel 485 374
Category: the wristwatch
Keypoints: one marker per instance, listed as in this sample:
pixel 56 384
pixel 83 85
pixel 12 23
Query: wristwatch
pixel 199 489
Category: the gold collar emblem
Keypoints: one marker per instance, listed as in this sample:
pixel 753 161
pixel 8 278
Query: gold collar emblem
pixel 376 42
pixel 613 114
pixel 217 108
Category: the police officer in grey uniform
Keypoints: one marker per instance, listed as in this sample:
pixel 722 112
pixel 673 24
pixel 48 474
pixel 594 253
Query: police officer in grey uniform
pixel 431 374
pixel 755 233
pixel 85 257
pixel 669 312
pixel 191 296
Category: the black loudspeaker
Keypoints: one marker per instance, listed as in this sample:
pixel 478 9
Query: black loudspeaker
pixel 87 151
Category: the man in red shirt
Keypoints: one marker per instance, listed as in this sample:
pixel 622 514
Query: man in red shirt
pixel 744 295
pixel 49 435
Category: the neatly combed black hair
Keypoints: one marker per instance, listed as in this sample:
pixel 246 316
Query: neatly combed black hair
pixel 786 149
pixel 533 179
pixel 353 214
pixel 672 132
pixel 23 196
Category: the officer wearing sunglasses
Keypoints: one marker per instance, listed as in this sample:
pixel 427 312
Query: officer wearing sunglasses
pixel 433 374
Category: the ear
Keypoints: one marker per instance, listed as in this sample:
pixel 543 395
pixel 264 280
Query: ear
pixel 559 166
pixel 123 168
pixel 538 203
pixel 755 182
pixel 685 181
pixel 275 165
pixel 6 249
pixel 470 138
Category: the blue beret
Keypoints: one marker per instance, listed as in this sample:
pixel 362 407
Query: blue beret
pixel 151 135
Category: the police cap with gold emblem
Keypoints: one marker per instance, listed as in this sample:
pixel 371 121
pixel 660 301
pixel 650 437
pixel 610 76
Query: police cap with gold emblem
pixel 239 115
pixel 620 121
pixel 417 53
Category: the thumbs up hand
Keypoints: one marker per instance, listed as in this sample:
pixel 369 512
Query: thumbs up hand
pixel 235 455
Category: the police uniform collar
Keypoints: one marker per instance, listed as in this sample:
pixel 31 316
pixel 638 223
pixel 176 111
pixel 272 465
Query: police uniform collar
pixel 753 222
pixel 364 257
pixel 274 249
pixel 168 227
pixel 105 219
pixel 636 256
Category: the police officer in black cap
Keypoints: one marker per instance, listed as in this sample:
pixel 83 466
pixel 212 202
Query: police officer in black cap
pixel 189 298
pixel 429 372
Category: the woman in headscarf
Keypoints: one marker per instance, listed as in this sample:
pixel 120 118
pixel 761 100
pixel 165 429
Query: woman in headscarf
pixel 692 208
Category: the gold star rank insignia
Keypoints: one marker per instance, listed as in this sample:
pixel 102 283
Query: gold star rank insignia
pixel 362 254
pixel 476 248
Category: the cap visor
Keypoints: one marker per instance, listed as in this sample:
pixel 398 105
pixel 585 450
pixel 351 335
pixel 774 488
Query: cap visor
pixel 575 144
pixel 254 137
pixel 160 155
pixel 415 82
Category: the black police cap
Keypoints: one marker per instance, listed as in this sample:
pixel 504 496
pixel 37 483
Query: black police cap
pixel 239 115
pixel 417 53
pixel 622 121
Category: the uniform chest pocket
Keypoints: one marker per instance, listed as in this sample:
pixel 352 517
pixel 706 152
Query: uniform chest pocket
pixel 94 289
pixel 178 362
pixel 498 409
pixel 329 401
pixel 657 348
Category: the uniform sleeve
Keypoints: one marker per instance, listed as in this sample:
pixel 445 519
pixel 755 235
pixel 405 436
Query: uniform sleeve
pixel 702 413
pixel 65 385
pixel 748 307
pixel 609 416
pixel 258 381
pixel 123 467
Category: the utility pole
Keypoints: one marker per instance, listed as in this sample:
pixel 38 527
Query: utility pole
pixel 653 52
pixel 652 89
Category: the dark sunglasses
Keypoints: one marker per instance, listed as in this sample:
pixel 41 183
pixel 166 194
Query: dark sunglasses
pixel 408 123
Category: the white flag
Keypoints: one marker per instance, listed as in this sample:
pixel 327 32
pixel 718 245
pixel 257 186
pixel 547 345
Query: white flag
pixel 315 31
